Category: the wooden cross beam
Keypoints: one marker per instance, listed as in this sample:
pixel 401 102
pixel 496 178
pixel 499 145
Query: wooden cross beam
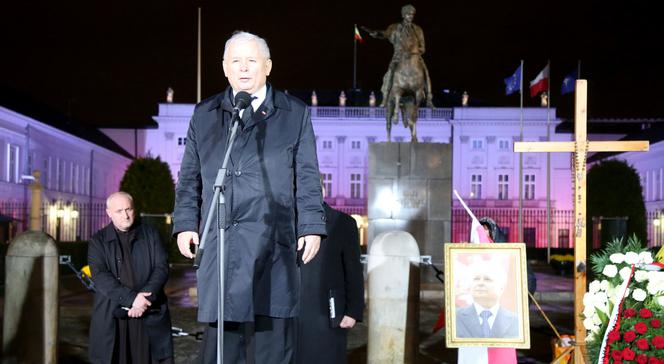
pixel 580 147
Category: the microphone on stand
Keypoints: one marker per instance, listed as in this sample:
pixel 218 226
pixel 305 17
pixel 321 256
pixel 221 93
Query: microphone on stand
pixel 242 101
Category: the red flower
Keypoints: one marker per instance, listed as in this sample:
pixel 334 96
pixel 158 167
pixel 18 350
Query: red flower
pixel 641 328
pixel 641 359
pixel 617 362
pixel 629 336
pixel 628 354
pixel 630 312
pixel 653 360
pixel 614 335
pixel 658 342
pixel 645 313
pixel 642 344
pixel 616 354
pixel 655 323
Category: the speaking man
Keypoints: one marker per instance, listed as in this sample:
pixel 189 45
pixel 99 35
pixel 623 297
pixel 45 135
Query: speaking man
pixel 273 208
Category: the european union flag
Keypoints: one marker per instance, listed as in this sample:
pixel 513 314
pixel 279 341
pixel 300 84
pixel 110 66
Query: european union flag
pixel 569 83
pixel 513 83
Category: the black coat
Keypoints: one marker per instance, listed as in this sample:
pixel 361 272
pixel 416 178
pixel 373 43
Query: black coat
pixel 337 267
pixel 150 265
pixel 273 196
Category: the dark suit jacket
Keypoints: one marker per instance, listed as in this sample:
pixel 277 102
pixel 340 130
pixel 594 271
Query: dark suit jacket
pixel 336 267
pixel 506 324
pixel 273 196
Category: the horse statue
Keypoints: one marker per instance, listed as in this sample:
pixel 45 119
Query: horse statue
pixel 406 83
pixel 407 92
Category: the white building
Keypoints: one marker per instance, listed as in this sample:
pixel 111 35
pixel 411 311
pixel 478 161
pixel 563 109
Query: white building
pixel 485 168
pixel 77 173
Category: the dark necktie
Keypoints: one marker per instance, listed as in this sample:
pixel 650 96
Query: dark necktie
pixel 247 114
pixel 486 330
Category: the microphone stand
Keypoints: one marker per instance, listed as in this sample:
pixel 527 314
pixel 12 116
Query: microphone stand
pixel 220 200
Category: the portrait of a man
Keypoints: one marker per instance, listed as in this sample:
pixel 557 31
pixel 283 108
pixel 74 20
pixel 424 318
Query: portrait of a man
pixel 486 296
pixel 485 317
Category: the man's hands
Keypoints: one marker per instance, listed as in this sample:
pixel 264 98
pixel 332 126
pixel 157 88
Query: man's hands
pixel 347 322
pixel 140 305
pixel 310 248
pixel 185 239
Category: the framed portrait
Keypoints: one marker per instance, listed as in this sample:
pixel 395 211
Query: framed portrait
pixel 486 295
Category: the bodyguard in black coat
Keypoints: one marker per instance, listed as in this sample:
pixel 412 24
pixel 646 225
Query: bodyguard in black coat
pixel 335 272
pixel 146 323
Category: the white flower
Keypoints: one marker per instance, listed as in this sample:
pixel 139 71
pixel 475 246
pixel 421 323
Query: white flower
pixel 588 323
pixel 604 285
pixel 610 270
pixel 590 338
pixel 645 257
pixel 625 272
pixel 654 287
pixel 639 294
pixel 601 300
pixel 617 258
pixel 594 287
pixel 640 275
pixel 660 300
pixel 588 300
pixel 631 258
pixel 589 311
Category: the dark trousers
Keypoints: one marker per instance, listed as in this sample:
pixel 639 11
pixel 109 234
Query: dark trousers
pixel 266 340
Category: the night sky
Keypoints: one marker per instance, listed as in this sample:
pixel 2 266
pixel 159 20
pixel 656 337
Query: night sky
pixel 110 63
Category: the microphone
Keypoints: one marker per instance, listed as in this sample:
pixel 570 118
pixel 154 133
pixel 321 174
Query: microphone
pixel 242 101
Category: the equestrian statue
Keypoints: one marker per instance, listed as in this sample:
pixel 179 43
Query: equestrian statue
pixel 406 83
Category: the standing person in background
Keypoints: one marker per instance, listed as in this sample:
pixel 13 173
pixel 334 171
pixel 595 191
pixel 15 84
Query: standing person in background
pixel 130 320
pixel 498 236
pixel 333 278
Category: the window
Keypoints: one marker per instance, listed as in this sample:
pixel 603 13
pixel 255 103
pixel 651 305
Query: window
pixel 327 184
pixel 503 186
pixel 476 186
pixel 477 144
pixel 355 185
pixel 563 238
pixel 327 144
pixel 60 174
pixel 657 185
pixel 13 161
pixel 529 185
pixel 182 141
pixel 72 181
pixel 530 236
pixel 355 144
pixel 504 144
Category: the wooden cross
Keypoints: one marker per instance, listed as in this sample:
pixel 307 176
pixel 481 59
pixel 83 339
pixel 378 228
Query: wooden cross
pixel 580 147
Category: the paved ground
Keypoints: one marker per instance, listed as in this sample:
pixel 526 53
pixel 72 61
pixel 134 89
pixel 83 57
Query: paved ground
pixel 555 295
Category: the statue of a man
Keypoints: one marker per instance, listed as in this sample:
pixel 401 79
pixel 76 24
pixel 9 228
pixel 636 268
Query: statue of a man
pixel 407 39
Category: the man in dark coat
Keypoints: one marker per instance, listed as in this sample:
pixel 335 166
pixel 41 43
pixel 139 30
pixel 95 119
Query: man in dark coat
pixel 273 208
pixel 130 319
pixel 333 278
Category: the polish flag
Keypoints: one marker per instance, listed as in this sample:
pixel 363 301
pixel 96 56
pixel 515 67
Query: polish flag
pixel 540 83
pixel 482 354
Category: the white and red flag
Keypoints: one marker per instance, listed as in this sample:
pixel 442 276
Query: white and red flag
pixel 482 354
pixel 540 83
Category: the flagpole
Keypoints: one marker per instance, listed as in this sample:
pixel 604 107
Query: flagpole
pixel 520 234
pixel 354 59
pixel 548 169
pixel 198 60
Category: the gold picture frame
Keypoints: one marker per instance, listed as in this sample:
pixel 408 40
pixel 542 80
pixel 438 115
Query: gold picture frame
pixel 486 282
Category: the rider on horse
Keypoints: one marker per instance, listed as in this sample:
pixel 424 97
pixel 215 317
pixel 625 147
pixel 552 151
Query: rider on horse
pixel 407 39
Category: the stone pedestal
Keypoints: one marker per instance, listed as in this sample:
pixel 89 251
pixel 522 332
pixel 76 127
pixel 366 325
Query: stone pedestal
pixel 394 285
pixel 30 330
pixel 410 189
